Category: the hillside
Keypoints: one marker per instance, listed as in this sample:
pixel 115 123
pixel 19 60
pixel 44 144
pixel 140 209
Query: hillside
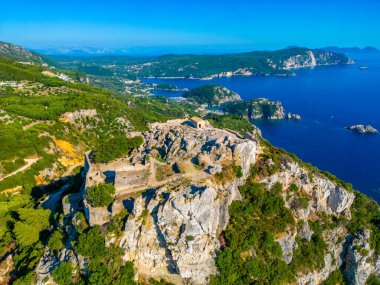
pixel 52 122
pixel 19 53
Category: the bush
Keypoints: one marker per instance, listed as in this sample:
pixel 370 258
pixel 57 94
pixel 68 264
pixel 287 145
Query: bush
pixel 309 255
pixel 101 195
pixel 335 278
pixel 232 122
pixel 117 146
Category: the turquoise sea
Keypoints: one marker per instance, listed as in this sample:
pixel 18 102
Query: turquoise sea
pixel 328 99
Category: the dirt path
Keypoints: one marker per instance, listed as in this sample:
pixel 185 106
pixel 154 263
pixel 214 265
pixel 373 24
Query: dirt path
pixel 71 169
pixel 29 162
pixel 32 124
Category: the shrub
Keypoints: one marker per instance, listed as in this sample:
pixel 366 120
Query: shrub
pixel 101 195
pixel 189 238
pixel 335 278
pixel 110 148
pixel 232 122
pixel 373 280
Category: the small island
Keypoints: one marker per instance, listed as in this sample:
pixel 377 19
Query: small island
pixel 362 129
pixel 211 95
pixel 221 100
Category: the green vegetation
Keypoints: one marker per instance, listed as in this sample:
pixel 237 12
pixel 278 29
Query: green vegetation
pixel 30 224
pixel 309 255
pixel 63 273
pixel 251 252
pixel 17 53
pixel 335 278
pixel 105 263
pixel 46 99
pixel 231 122
pixel 117 222
pixel 55 243
pixel 253 109
pixel 92 243
pixel 114 147
pixel 208 94
pixel 366 215
pixel 373 280
pixel 200 66
pixel 101 195
pixel 161 282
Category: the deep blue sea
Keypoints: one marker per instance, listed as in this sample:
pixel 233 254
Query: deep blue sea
pixel 328 99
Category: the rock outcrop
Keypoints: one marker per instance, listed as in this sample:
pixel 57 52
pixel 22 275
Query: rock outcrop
pixel 173 228
pixel 360 261
pixel 362 129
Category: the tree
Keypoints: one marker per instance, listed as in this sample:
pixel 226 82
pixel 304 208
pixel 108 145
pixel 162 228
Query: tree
pixel 26 234
pixel 101 195
pixel 92 243
pixel 55 242
pixel 62 274
pixel 32 222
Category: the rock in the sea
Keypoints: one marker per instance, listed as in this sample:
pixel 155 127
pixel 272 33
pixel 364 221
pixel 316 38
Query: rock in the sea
pixel 362 129
pixel 292 116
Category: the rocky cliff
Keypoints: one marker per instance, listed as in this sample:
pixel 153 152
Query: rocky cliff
pixel 308 58
pixel 174 193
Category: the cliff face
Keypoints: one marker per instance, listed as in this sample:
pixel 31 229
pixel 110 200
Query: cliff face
pixel 175 221
pixel 309 58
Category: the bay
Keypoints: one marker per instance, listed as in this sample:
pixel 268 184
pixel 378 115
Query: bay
pixel 328 98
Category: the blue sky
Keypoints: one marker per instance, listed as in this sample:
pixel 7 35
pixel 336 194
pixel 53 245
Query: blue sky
pixel 232 24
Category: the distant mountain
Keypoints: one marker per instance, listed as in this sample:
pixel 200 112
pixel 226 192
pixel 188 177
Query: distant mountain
pixel 82 51
pixel 18 53
pixel 351 50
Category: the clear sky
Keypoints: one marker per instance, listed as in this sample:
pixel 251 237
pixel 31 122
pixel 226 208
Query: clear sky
pixel 224 24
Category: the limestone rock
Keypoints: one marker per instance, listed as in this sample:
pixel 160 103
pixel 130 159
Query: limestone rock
pixel 359 260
